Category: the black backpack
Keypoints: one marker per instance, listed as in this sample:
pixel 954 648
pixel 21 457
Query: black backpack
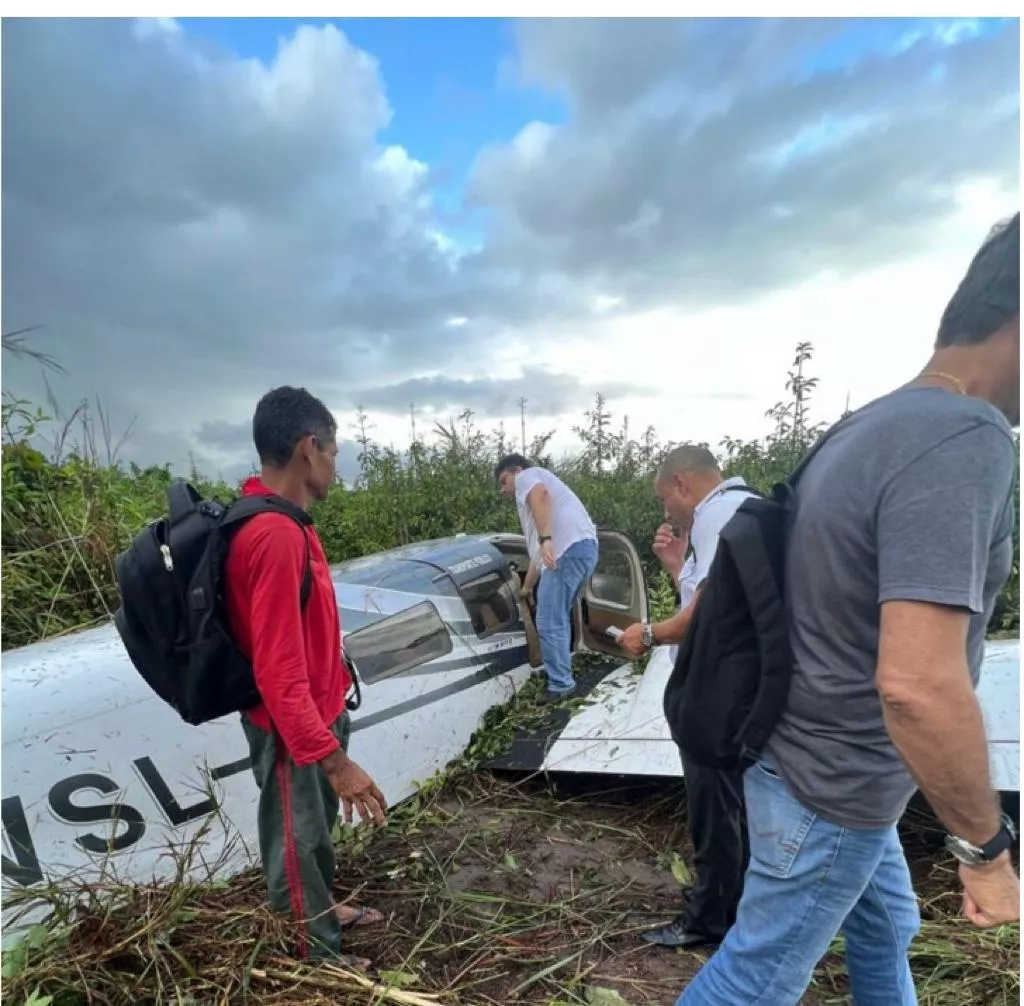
pixel 172 618
pixel 734 666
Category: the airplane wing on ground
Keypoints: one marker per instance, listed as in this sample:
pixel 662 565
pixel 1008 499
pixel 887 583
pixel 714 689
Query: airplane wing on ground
pixel 616 726
pixel 999 696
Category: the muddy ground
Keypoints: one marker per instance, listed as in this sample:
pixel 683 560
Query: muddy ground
pixel 493 894
pixel 514 896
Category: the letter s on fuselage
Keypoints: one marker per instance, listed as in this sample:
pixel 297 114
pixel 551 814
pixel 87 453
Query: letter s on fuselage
pixel 127 824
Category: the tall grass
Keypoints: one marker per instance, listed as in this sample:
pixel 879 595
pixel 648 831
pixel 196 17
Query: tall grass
pixel 494 894
pixel 71 507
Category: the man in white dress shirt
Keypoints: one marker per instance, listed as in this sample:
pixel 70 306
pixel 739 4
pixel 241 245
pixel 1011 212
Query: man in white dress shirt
pixel 562 542
pixel 700 502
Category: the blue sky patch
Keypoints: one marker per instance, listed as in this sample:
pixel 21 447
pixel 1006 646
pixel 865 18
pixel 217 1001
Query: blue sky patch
pixel 442 77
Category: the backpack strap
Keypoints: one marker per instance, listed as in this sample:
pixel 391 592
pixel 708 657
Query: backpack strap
pixel 307 577
pixel 767 608
pixel 741 489
pixel 822 440
pixel 248 506
pixel 721 491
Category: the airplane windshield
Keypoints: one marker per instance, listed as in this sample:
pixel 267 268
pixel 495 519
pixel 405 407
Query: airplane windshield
pixel 406 575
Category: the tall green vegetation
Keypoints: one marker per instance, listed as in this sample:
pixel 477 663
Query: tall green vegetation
pixel 67 513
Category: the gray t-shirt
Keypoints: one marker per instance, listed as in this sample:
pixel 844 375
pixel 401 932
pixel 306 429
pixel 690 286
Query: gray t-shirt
pixel 911 500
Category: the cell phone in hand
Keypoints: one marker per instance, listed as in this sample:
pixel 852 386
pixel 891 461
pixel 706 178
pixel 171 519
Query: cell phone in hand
pixel 614 631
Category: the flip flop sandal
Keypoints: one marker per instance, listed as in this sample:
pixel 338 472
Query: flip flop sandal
pixel 357 918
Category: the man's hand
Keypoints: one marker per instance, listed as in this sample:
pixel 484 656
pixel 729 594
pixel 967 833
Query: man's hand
pixel 530 580
pixel 991 892
pixel 547 553
pixel 670 549
pixel 354 787
pixel 526 596
pixel 631 640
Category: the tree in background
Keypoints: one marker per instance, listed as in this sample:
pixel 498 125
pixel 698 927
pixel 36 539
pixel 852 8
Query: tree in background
pixel 67 515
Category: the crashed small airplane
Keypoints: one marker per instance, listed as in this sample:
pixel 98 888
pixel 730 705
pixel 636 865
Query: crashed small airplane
pixel 101 779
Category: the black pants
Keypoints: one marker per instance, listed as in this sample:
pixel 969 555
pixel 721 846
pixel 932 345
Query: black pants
pixel 718 827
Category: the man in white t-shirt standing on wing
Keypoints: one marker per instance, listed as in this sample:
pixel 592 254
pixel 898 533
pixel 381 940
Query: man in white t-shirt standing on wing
pixel 695 497
pixel 562 541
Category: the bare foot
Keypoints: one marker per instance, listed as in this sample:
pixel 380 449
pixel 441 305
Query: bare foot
pixel 350 916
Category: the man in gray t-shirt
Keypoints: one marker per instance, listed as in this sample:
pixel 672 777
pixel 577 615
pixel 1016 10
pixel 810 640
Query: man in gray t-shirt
pixel 902 540
pixel 926 517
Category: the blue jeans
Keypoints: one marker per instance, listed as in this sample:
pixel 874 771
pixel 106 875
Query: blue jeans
pixel 556 594
pixel 807 880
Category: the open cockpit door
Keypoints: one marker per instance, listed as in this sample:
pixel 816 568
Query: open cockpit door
pixel 616 595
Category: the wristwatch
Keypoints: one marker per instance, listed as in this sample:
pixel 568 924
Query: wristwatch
pixel 978 855
pixel 543 538
pixel 647 635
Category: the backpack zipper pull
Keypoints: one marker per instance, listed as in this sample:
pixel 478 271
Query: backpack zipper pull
pixel 165 551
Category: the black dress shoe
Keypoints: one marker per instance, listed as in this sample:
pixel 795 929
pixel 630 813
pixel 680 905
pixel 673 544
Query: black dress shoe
pixel 679 933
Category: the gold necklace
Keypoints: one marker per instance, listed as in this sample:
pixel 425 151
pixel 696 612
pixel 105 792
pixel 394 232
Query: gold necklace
pixel 955 381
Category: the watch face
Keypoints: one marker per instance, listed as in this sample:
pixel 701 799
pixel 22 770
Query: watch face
pixel 972 855
pixel 969 855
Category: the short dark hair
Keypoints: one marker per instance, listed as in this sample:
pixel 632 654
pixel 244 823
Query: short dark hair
pixel 285 416
pixel 989 294
pixel 687 458
pixel 508 462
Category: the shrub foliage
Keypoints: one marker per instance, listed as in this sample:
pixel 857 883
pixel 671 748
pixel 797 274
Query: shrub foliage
pixel 68 510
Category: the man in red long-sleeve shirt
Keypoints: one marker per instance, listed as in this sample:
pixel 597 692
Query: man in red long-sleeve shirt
pixel 299 735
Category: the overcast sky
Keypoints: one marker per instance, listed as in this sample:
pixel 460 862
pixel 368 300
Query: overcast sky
pixel 457 214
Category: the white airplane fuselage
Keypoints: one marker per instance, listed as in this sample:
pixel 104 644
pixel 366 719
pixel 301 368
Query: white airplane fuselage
pixel 102 779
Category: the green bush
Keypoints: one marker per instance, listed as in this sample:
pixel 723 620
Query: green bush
pixel 66 516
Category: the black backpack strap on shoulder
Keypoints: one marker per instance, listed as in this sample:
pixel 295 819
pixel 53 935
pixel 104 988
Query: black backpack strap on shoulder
pixel 248 506
pixel 806 459
pixel 307 576
pixel 742 489
pixel 245 507
pixel 304 520
pixel 766 603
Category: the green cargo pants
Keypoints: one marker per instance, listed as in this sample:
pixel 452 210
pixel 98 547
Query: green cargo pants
pixel 296 816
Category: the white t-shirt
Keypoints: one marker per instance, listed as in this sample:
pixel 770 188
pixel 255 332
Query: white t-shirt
pixel 570 521
pixel 709 517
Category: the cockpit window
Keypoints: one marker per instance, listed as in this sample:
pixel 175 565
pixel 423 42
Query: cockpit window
pixel 612 582
pixel 398 643
pixel 491 604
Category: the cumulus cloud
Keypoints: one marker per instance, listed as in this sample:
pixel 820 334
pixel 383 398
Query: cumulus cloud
pixel 193 227
pixel 224 436
pixel 703 163
pixel 227 449
pixel 547 394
